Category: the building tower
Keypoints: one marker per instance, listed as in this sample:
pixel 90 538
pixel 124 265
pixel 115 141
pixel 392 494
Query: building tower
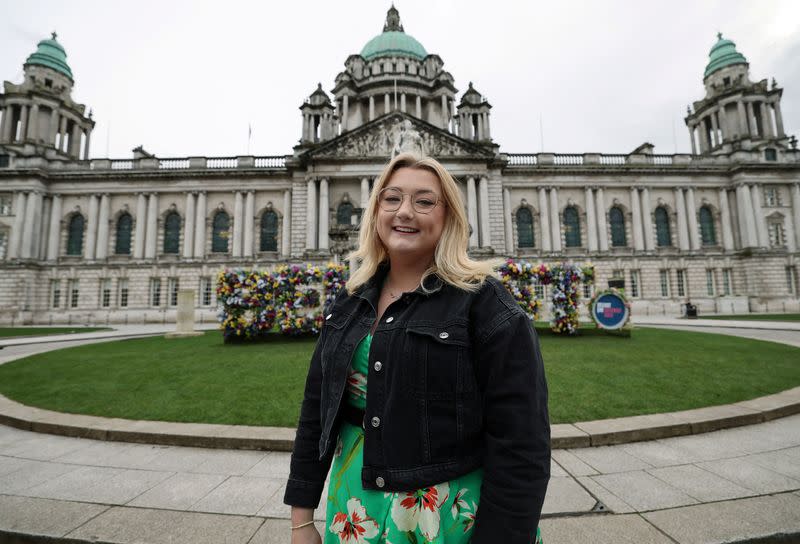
pixel 39 115
pixel 473 116
pixel 319 119
pixel 736 113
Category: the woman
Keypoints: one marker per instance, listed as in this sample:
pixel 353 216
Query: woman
pixel 426 389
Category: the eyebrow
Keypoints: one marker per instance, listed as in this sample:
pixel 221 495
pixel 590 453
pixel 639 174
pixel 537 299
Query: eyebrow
pixel 415 192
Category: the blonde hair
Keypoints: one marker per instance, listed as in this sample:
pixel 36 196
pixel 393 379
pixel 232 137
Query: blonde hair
pixel 450 261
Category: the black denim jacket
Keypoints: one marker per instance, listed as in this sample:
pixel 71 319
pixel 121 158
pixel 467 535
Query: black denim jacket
pixel 460 385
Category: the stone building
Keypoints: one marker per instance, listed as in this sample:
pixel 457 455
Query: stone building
pixel 106 240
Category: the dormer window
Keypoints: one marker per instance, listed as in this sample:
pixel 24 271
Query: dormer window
pixel 726 81
pixel 770 154
pixel 48 83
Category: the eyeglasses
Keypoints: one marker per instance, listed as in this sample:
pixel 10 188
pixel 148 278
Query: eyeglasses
pixel 390 199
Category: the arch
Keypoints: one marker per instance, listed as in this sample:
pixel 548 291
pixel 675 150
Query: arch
pixel 616 219
pixel 708 234
pixel 572 227
pixel 219 232
pixel 172 232
pixel 269 231
pixel 525 234
pixel 122 243
pixel 663 235
pixel 344 213
pixel 75 235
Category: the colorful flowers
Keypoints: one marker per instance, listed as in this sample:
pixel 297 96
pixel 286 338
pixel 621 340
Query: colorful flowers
pixel 420 508
pixel 353 527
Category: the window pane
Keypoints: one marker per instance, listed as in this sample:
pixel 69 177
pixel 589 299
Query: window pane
pixel 662 228
pixel 75 235
pixel 707 232
pixel 572 227
pixel 617 220
pixel 172 233
pixel 525 227
pixel 344 213
pixel 269 231
pixel 123 243
pixel 219 235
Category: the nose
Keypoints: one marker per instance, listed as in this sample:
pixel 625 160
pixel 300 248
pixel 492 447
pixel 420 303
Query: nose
pixel 406 209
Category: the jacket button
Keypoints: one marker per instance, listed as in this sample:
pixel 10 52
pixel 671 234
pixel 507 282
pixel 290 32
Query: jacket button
pixel 389 319
pixel 327 317
pixel 379 482
pixel 376 421
pixel 378 366
pixel 444 335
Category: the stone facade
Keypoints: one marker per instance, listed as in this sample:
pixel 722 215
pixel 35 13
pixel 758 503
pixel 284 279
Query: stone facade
pixel 112 241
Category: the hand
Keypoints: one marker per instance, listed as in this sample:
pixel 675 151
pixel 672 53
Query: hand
pixel 306 535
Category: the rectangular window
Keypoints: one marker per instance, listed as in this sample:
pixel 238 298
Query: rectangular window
pixel 587 291
pixel 775 234
pixel 680 276
pixel 635 283
pixel 155 292
pixel 105 292
pixel 5 205
pixel 74 292
pixel 664 280
pixel 770 198
pixel 173 291
pixel 122 285
pixel 726 281
pixel 205 291
pixel 710 281
pixel 55 293
pixel 791 280
pixel 3 244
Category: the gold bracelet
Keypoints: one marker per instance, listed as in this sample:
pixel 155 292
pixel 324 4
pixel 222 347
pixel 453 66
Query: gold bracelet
pixel 302 525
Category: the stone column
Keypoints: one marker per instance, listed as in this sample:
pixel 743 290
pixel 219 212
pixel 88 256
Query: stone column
pixel 364 202
pixel 747 227
pixel 387 104
pixel 91 230
pixel 544 220
pixel 33 122
pixel 247 225
pixel 743 125
pixel 445 114
pixel 286 225
pixel 795 210
pixel 75 141
pixel 188 226
pixel 483 212
pixel 766 111
pixel 647 220
pixel 200 226
pixel 691 138
pixel 62 145
pixel 238 211
pixel 29 233
pixel 636 220
pixel 591 220
pixel 141 221
pixel 23 118
pixel 555 221
pixel 472 211
pixel 602 229
pixel 311 214
pixel 345 112
pixel 752 119
pixel 324 213
pixel 86 144
pixel 6 113
pixel 419 107
pixel 52 128
pixel 691 212
pixel 43 227
pixel 102 226
pixel 779 119
pixel 722 119
pixel 761 222
pixel 683 229
pixel 151 238
pixel 54 236
pixel 509 233
pixel 715 129
pixel 480 127
pixel 15 244
pixel 703 135
pixel 403 102
pixel 371 108
pixel 725 213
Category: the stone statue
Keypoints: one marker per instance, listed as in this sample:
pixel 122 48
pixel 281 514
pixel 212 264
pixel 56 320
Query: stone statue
pixel 407 139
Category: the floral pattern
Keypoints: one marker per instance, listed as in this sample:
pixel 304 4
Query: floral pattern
pixel 353 527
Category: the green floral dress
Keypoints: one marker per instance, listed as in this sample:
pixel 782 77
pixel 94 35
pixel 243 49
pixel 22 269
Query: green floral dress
pixel 441 514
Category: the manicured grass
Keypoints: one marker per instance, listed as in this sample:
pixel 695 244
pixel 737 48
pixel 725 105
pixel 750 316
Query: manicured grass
pixel 11 332
pixel 202 380
pixel 755 317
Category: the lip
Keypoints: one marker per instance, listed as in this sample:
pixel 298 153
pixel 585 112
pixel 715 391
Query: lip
pixel 394 229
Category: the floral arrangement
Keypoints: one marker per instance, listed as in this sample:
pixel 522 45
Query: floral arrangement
pixel 519 276
pixel 252 302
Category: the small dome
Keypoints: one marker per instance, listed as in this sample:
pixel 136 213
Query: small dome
pixel 51 54
pixel 723 54
pixel 393 41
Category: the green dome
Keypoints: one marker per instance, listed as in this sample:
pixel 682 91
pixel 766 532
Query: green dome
pixel 393 41
pixel 50 53
pixel 723 54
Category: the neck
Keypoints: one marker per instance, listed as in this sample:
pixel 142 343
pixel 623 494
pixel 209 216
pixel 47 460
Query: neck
pixel 406 272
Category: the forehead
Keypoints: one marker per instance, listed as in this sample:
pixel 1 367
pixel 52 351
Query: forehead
pixel 412 180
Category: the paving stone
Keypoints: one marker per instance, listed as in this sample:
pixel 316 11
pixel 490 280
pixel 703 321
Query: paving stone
pixel 174 459
pixel 700 484
pixel 44 516
pixel 238 495
pixel 657 453
pixel 274 464
pixel 643 491
pixel 124 487
pixel 179 492
pixel 11 464
pixel 123 524
pixel 139 456
pixel 230 463
pixel 778 461
pixel 609 459
pixel 42 447
pixel 568 436
pixel 572 464
pixel 704 447
pixel 556 470
pixel 601 529
pixel 712 418
pixel 277 531
pixel 750 475
pixel 275 507
pixel 730 521
pixel 93 453
pixel 73 484
pixel 566 496
pixel 630 429
pixel 32 474
pixel 611 501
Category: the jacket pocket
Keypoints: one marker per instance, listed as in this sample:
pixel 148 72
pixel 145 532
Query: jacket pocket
pixel 436 355
pixel 331 337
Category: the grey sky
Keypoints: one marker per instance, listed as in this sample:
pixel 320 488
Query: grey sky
pixel 185 78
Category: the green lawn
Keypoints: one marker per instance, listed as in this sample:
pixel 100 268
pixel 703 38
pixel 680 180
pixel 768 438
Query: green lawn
pixel 755 317
pixel 11 332
pixel 202 380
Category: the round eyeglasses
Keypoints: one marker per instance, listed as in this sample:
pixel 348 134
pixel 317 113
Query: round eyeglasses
pixel 390 199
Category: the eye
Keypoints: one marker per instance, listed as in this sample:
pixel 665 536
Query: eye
pixel 391 198
pixel 426 202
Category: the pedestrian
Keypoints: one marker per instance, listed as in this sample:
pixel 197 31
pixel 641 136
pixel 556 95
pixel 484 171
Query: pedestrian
pixel 426 397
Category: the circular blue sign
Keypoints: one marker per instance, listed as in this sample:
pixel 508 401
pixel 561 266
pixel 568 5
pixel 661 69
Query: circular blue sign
pixel 609 311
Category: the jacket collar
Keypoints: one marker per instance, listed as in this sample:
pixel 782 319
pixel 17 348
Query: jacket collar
pixel 371 290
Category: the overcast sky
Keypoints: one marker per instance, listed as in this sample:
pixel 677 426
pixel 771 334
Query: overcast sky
pixel 186 78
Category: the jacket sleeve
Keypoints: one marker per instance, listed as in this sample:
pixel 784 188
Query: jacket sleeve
pixel 516 433
pixel 307 471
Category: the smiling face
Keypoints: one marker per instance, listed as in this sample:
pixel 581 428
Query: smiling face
pixel 406 232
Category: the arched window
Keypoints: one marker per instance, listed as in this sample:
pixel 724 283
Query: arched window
pixel 172 232
pixel 524 227
pixel 75 235
pixel 219 234
pixel 663 236
pixel 617 220
pixel 269 231
pixel 344 213
pixel 572 227
pixel 123 243
pixel 707 232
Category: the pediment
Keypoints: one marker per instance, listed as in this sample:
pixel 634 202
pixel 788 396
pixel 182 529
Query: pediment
pixel 394 133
